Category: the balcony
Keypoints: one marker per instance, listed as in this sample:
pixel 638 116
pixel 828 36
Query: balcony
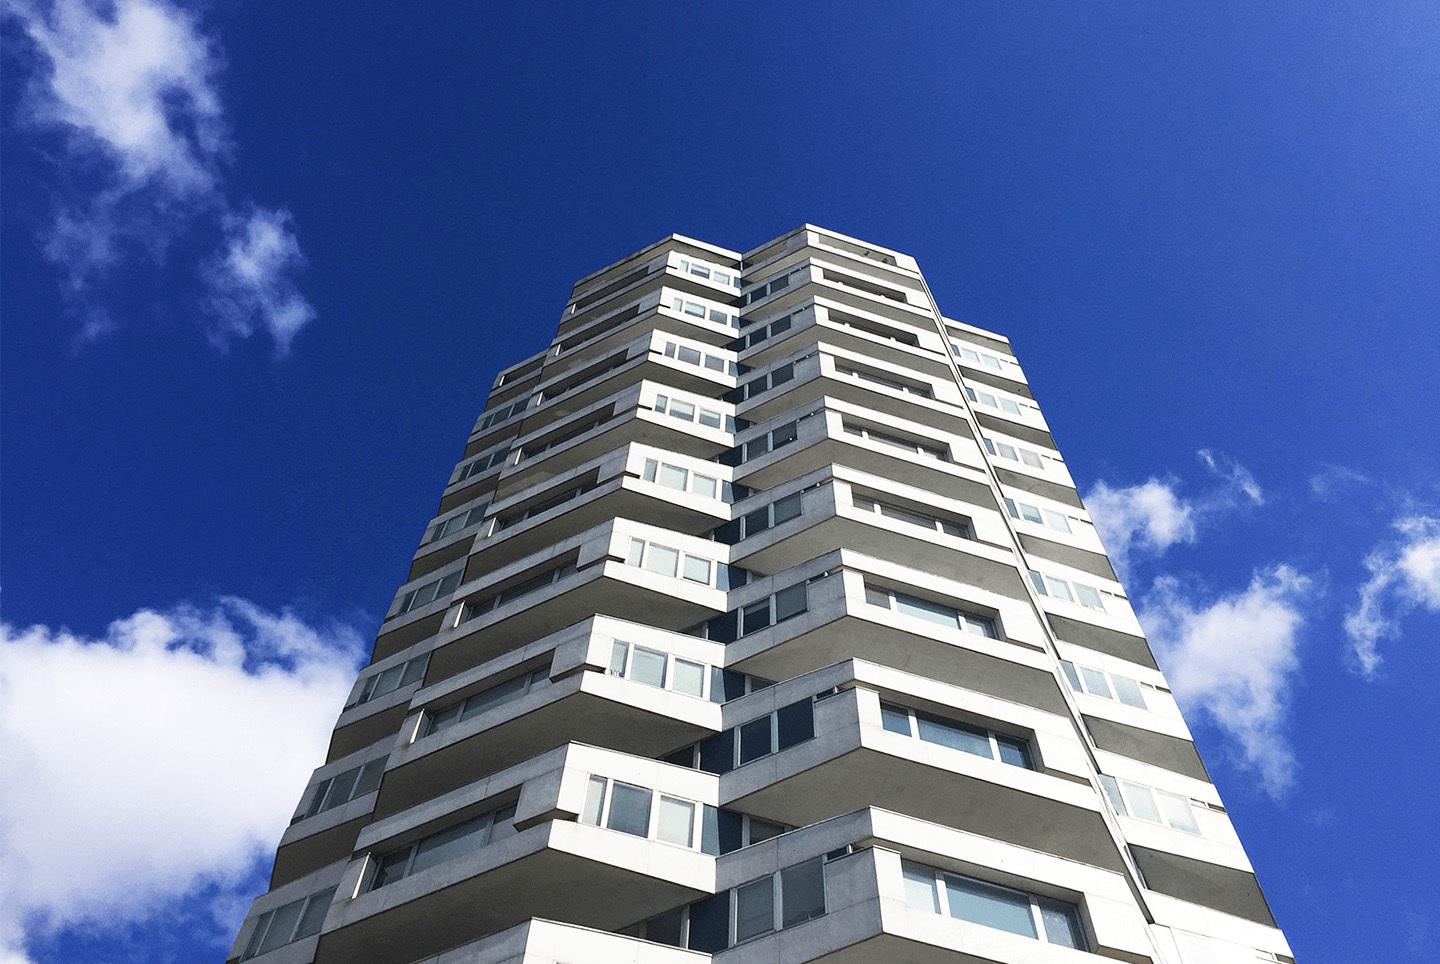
pixel 854 761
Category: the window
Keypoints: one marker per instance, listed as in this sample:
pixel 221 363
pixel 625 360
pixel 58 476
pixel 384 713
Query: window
pixel 456 523
pixel 758 520
pixel 965 737
pixel 756 739
pixel 950 527
pixel 977 358
pixel 482 463
pixel 777 437
pixel 897 441
pixel 510 689
pixel 696 309
pixel 690 412
pixel 392 678
pixel 1032 513
pixel 665 561
pixel 443 845
pixel 773 378
pixel 934 612
pixel 895 385
pixel 683 480
pixel 1150 804
pixel 775 284
pixel 702 270
pixel 694 356
pixel 654 668
pixel 1014 453
pixel 428 593
pixel 503 414
pixel 991 905
pixel 1108 686
pixel 786 899
pixel 479 607
pixel 641 812
pixel 761 614
pixel 1055 588
pixel 779 326
pixel 344 787
pixel 1001 403
pixel 288 923
pixel 544 505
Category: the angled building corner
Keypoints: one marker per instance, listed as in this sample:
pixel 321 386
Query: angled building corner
pixel 760 620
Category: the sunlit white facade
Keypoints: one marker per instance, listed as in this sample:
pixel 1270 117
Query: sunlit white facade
pixel 761 620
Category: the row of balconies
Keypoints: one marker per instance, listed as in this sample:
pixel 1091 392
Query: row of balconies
pixel 606 839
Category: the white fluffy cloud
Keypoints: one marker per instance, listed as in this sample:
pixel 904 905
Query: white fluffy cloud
pixel 1234 659
pixel 1404 577
pixel 132 86
pixel 1150 517
pixel 251 282
pixel 163 757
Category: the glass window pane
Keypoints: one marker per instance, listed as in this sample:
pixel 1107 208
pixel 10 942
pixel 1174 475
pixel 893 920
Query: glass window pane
pixel 787 508
pixel 676 821
pixel 687 355
pixel 618 651
pixel 1030 458
pixel 629 809
pixel 315 911
pixel 992 906
pixel 682 410
pixel 795 723
pixel 662 560
pixel 790 601
pixel 369 778
pixel 388 680
pixel 1088 597
pixel 1038 581
pixel 1071 675
pixel 257 935
pixel 1129 691
pixel 392 868
pixel 1142 804
pixel 754 909
pixel 710 923
pixel 755 616
pixel 1060 589
pixel 1062 923
pixel 954 735
pixel 1056 521
pixel 667 928
pixel 704 486
pixel 1030 514
pixel 754 739
pixel 1095 682
pixel 414 670
pixel 451 842
pixel 926 610
pixel 896 719
pixel 1014 752
pixel 802 892
pixel 979 625
pixel 717 753
pixel 920 893
pixel 689 678
pixel 697 570
pixel 1112 791
pixel 647 666
pixel 672 477
pixel 1177 811
pixel 594 802
pixel 282 926
pixel 636 553
pixel 762 830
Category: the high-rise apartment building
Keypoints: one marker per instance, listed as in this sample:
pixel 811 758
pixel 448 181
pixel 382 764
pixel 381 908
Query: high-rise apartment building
pixel 761 620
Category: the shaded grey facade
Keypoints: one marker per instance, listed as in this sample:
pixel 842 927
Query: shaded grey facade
pixel 761 620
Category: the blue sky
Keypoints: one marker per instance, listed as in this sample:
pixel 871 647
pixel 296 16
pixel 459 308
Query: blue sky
pixel 261 262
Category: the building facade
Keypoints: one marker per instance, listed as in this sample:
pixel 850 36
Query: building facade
pixel 761 620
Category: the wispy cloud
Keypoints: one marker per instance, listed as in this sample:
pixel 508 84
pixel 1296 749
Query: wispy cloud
pixel 1233 659
pixel 131 88
pixel 1148 518
pixel 1331 480
pixel 202 721
pixel 1404 577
